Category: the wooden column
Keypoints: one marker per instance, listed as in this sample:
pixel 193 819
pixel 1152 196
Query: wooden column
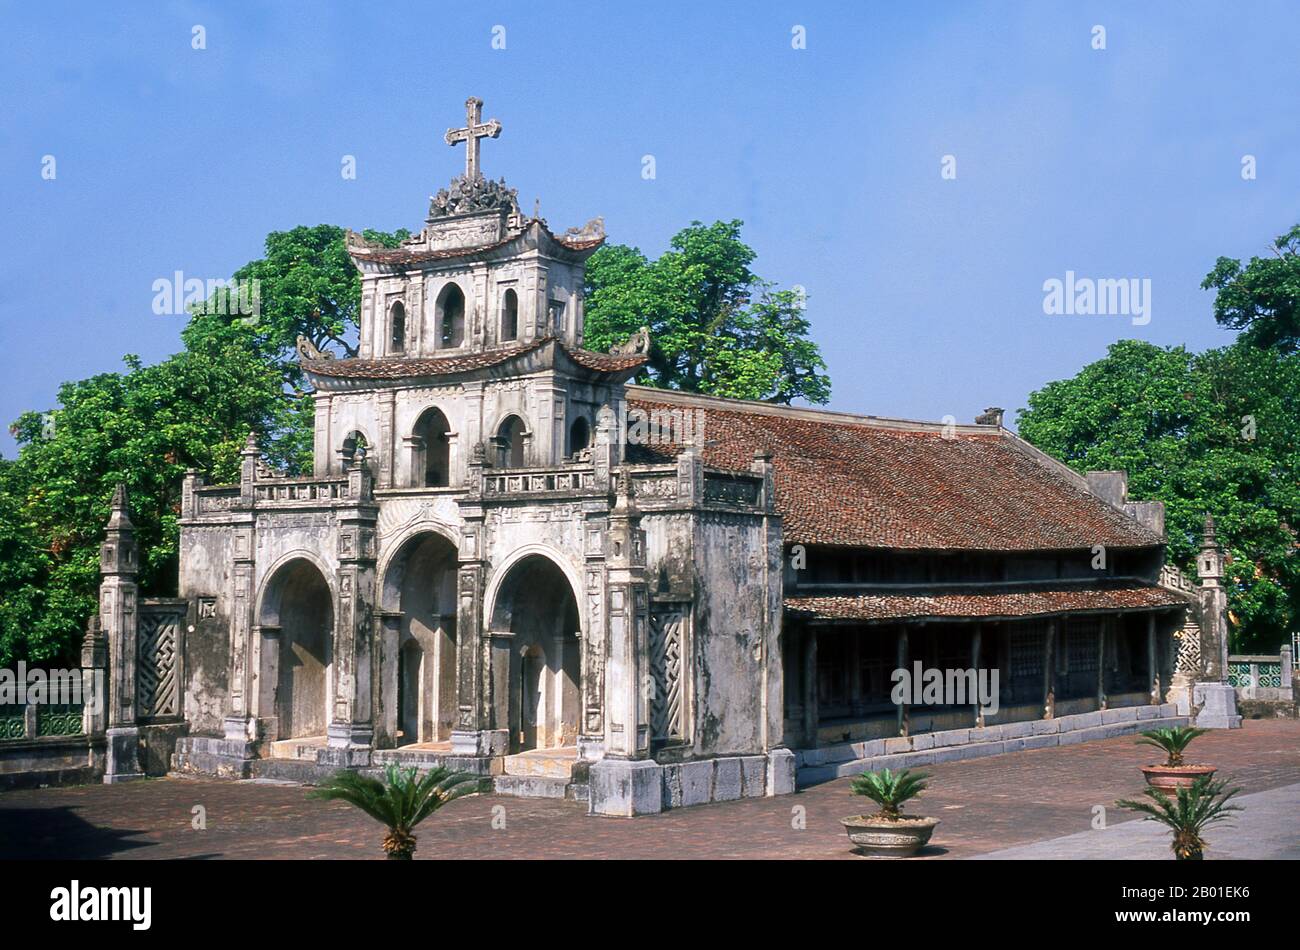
pixel 810 686
pixel 902 665
pixel 1049 670
pixel 1153 669
pixel 975 647
pixel 1101 661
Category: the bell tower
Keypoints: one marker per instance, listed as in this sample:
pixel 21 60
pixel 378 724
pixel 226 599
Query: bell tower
pixel 480 275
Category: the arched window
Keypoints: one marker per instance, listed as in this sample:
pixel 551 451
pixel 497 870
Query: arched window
pixel 451 317
pixel 431 464
pixel 510 316
pixel 579 435
pixel 353 444
pixel 510 443
pixel 397 324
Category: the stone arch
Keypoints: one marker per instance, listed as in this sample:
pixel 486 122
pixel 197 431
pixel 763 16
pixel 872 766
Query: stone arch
pixel 354 440
pixel 449 315
pixel 295 619
pixel 418 599
pixel 536 626
pixel 431 450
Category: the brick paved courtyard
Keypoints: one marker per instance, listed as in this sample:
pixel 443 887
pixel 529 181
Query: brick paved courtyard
pixel 986 804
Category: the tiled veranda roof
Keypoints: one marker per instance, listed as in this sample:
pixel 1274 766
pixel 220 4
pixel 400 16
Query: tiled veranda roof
pixel 983 603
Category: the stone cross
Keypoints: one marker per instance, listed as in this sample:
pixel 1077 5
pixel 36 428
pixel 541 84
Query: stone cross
pixel 474 130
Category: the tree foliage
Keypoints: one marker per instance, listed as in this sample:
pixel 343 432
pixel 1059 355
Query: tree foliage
pixel 716 327
pixel 1262 299
pixel 145 426
pixel 1215 432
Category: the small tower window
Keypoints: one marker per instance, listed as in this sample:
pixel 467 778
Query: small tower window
pixel 397 336
pixel 579 436
pixel 510 443
pixel 510 316
pixel 451 317
pixel 555 315
pixel 431 466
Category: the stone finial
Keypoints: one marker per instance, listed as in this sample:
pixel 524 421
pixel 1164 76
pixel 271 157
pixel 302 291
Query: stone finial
pixel 992 416
pixel 1210 537
pixel 119 513
pixel 250 445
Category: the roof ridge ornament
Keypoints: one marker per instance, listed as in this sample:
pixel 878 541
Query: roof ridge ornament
pixel 307 351
pixel 638 344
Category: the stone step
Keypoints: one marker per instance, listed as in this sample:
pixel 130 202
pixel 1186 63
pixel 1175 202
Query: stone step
pixel 551 763
pixel 531 786
pixel 302 749
pixel 813 774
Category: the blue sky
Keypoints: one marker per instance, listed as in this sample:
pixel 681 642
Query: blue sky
pixel 925 294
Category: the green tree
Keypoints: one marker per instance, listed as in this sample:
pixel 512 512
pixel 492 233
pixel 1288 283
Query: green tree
pixel 1215 432
pixel 716 327
pixel 144 428
pixel 1261 299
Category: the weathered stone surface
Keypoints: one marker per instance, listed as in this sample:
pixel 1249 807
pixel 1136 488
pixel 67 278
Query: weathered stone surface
pixel 624 788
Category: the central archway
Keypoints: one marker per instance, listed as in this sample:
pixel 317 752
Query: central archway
pixel 298 611
pixel 541 669
pixel 419 597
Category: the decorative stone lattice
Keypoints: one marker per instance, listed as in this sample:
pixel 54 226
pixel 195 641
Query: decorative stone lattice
pixel 156 684
pixel 666 636
pixel 1189 649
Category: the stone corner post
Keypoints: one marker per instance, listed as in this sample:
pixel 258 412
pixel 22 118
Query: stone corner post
pixel 94 669
pixel 1212 696
pixel 626 781
pixel 119 563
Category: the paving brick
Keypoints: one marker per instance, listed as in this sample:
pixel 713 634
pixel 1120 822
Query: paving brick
pixel 986 803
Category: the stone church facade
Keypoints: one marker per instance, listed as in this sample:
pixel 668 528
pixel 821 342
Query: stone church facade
pixel 511 560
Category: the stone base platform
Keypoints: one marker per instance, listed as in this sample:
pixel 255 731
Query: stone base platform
pixel 929 748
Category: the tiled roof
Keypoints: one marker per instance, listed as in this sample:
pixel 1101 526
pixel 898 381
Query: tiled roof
pixel 410 254
pixel 983 603
pixel 861 482
pixel 416 367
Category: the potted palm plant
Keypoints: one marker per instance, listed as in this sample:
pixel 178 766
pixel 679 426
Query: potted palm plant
pixel 1187 812
pixel 401 801
pixel 889 833
pixel 1175 772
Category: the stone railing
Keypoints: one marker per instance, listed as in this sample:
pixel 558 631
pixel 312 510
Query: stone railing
pixel 34 721
pixel 1265 679
pixel 211 500
pixel 305 490
pixel 733 489
pixel 657 484
pixel 1174 579
pixel 539 481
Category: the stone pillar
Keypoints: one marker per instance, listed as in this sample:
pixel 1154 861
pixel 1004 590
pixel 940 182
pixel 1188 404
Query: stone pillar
pixel 480 729
pixel 118 617
pixel 386 450
pixel 384 672
pixel 1212 694
pixel 94 688
pixel 625 782
pixel 240 726
pixel 607 446
pixel 351 728
pixel 1049 670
